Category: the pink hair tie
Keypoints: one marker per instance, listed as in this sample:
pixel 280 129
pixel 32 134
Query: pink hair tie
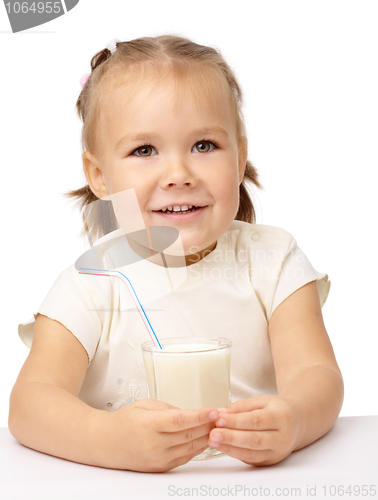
pixel 84 79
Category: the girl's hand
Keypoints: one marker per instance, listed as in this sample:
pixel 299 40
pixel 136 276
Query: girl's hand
pixel 152 436
pixel 259 431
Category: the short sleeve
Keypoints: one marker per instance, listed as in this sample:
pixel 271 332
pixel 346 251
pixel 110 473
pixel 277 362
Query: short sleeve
pixel 71 303
pixel 297 271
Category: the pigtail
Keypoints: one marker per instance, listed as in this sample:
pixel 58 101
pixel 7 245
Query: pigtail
pixel 246 211
pixel 99 58
pixel 98 215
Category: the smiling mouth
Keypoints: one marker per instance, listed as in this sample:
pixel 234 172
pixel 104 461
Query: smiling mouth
pixel 172 211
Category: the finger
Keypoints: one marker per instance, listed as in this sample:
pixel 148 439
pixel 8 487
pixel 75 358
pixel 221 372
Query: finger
pixel 251 457
pixel 250 404
pixel 257 420
pixel 182 460
pixel 187 435
pixel 177 420
pixel 186 451
pixel 251 440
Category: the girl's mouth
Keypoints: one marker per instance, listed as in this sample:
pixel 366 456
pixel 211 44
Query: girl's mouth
pixel 182 215
pixel 171 210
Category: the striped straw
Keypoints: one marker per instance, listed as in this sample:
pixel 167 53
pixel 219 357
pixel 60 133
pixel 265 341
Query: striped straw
pixel 122 277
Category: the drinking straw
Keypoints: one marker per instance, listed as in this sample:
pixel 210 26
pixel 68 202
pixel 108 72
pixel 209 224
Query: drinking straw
pixel 125 279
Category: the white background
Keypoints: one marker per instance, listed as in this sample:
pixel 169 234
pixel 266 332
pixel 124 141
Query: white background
pixel 309 74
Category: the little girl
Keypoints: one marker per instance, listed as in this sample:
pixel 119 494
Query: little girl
pixel 163 123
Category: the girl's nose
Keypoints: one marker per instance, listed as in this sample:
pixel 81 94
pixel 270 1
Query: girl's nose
pixel 178 174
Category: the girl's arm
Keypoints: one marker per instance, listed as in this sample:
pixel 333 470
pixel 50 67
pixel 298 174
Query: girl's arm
pixel 306 369
pixel 45 413
pixel 265 429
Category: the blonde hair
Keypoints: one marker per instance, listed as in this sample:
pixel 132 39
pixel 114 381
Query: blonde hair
pixel 182 56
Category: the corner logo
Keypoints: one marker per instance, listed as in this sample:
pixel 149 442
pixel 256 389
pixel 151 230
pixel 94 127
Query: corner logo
pixel 28 14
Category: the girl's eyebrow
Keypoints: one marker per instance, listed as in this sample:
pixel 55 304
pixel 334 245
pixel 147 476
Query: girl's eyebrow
pixel 148 136
pixel 211 130
pixel 144 136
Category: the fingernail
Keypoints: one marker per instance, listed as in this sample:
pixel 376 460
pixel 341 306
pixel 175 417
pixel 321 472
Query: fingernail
pixel 216 437
pixel 221 422
pixel 215 440
pixel 213 415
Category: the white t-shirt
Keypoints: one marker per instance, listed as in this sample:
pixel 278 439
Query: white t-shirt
pixel 230 293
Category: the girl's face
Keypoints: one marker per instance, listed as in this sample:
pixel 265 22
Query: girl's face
pixel 174 153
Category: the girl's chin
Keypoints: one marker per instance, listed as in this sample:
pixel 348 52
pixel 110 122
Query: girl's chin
pixel 179 256
pixel 192 254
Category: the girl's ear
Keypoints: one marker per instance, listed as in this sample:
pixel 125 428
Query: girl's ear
pixel 242 156
pixel 94 175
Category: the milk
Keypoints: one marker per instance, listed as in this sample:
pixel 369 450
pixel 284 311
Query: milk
pixel 196 379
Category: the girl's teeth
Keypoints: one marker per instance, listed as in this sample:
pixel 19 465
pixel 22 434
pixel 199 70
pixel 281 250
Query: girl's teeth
pixel 177 208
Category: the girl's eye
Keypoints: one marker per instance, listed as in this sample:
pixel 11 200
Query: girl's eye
pixel 146 150
pixel 204 146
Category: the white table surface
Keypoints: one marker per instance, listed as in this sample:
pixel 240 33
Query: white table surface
pixel 346 456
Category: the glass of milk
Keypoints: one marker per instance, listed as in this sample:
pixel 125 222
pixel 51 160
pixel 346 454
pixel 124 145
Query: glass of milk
pixel 189 373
